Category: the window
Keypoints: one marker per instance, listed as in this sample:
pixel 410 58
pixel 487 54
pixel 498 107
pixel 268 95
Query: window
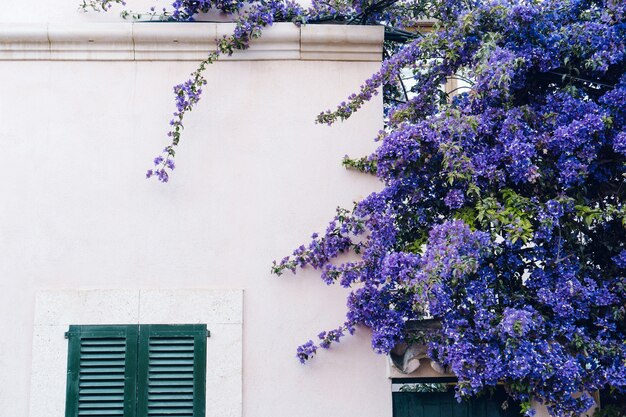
pixel 434 397
pixel 136 370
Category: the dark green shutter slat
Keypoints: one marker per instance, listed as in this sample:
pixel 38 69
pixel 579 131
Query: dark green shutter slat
pixel 102 367
pixel 172 370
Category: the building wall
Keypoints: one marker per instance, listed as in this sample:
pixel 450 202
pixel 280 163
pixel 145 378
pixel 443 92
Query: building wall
pixel 255 178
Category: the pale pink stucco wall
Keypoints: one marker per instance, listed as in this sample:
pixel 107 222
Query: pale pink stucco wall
pixel 255 177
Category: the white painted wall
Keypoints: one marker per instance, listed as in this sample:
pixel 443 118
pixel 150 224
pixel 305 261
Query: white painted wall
pixel 65 11
pixel 255 177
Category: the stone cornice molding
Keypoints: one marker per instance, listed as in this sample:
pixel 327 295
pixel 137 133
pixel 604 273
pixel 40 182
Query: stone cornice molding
pixel 160 41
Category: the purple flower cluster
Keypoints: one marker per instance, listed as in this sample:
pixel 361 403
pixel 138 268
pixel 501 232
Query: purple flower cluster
pixel 162 164
pixel 390 69
pixel 454 199
pixel 326 338
pixel 517 322
pixel 306 351
pixel 339 237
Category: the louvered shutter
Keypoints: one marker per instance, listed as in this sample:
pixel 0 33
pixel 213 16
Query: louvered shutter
pixel 102 370
pixel 172 370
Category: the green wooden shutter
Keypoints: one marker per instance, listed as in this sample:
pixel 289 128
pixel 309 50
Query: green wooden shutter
pixel 172 370
pixel 102 366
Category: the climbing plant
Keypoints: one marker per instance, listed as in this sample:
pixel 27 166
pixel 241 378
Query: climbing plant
pixel 502 213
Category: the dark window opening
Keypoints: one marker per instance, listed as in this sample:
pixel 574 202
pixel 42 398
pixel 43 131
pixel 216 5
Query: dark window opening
pixel 435 398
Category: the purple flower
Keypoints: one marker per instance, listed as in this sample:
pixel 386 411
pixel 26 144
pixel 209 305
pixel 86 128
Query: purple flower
pixel 306 351
pixel 620 259
pixel 326 338
pixel 619 143
pixel 455 199
pixel 516 323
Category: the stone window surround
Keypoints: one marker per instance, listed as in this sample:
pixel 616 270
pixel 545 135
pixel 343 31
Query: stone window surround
pixel 220 309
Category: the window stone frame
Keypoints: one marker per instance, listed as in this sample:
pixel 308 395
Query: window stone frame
pixel 220 309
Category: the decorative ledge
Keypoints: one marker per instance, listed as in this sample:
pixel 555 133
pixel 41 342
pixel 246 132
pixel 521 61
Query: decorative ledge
pixel 342 43
pixel 159 41
pixel 410 359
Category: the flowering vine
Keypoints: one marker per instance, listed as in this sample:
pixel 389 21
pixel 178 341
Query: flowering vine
pixel 503 210
pixel 502 214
